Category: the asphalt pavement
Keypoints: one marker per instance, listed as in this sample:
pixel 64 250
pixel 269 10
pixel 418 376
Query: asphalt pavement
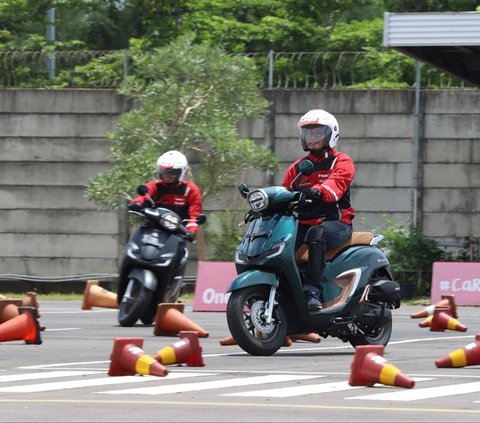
pixel 65 378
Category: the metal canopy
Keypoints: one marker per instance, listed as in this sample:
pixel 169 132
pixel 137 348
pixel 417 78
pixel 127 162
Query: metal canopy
pixel 448 41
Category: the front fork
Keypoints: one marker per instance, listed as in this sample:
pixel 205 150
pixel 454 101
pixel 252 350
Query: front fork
pixel 128 291
pixel 269 308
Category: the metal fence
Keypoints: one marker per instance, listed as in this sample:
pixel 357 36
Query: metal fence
pixel 280 70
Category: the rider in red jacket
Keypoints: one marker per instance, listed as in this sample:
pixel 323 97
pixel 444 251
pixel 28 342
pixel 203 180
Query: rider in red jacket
pixel 326 221
pixel 172 192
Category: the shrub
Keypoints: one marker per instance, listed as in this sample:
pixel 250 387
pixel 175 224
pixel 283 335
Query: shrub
pixel 411 255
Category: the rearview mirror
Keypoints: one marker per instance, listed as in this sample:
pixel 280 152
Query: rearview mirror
pixel 306 167
pixel 142 189
pixel 201 219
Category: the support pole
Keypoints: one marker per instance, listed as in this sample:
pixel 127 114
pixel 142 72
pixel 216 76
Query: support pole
pixel 416 162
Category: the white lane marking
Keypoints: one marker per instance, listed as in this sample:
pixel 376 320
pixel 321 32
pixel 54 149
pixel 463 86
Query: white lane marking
pixel 44 375
pixel 214 384
pixel 295 390
pixel 423 393
pixel 61 329
pixel 46 366
pixel 297 348
pixel 321 388
pixel 413 340
pixel 70 311
pixel 114 380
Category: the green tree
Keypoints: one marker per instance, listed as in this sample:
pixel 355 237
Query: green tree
pixel 410 6
pixel 190 97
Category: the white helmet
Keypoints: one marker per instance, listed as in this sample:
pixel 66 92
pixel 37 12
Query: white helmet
pixel 172 162
pixel 321 119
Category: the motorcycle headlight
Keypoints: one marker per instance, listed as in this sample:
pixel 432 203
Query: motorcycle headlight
pixel 170 221
pixel 132 249
pixel 258 200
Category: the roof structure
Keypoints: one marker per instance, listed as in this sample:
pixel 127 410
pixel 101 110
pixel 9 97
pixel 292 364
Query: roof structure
pixel 448 41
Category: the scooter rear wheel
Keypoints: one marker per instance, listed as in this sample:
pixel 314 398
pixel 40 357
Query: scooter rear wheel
pixel 380 336
pixel 132 308
pixel 247 324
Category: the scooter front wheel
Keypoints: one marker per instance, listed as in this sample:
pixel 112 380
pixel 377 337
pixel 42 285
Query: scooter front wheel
pixel 248 325
pixel 135 301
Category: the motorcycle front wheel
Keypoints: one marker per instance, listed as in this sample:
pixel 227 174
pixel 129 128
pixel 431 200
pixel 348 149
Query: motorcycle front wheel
pixel 135 301
pixel 247 323
pixel 379 336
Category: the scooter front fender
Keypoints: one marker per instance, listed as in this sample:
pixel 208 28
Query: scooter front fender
pixel 253 277
pixel 146 277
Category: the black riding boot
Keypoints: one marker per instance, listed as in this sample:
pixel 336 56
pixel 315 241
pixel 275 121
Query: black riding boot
pixel 315 239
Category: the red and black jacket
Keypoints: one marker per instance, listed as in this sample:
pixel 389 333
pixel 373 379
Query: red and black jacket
pixel 333 173
pixel 184 198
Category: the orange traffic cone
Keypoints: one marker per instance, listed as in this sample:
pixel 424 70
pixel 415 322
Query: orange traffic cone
pixel 446 301
pixel 128 358
pixel 22 327
pixel 31 301
pixel 467 356
pixel 9 309
pixel 441 320
pixel 170 320
pixel 309 337
pixel 187 350
pixel 227 341
pixel 96 296
pixel 369 367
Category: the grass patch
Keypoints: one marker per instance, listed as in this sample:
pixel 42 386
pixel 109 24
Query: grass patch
pixel 186 297
pixel 58 296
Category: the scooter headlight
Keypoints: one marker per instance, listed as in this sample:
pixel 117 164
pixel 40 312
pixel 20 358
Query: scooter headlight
pixel 170 221
pixel 258 200
pixel 132 249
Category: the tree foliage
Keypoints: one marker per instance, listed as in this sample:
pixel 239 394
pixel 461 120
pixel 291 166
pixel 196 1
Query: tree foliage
pixel 236 26
pixel 189 97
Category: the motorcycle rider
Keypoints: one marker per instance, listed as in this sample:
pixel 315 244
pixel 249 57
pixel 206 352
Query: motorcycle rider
pixel 172 192
pixel 326 221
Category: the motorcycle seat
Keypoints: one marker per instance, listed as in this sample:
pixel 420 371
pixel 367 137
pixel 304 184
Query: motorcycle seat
pixel 357 238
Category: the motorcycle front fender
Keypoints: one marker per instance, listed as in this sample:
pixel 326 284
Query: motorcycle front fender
pixel 253 277
pixel 146 277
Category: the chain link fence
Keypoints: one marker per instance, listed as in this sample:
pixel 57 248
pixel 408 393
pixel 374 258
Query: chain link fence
pixel 280 70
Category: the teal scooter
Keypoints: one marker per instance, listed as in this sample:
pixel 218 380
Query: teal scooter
pixel 267 301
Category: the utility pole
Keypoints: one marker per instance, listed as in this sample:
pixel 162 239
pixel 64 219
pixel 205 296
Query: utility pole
pixel 50 35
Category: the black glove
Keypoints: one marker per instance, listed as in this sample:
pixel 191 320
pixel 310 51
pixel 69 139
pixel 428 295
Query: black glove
pixel 190 236
pixel 135 207
pixel 312 194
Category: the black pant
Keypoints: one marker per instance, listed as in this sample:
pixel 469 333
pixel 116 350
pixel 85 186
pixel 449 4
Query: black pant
pixel 336 233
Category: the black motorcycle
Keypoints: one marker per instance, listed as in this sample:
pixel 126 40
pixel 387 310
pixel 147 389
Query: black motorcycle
pixel 153 264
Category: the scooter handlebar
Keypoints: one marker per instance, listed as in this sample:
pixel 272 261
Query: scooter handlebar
pixel 300 200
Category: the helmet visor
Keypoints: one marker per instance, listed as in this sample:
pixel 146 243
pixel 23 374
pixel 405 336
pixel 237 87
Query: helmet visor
pixel 315 136
pixel 169 171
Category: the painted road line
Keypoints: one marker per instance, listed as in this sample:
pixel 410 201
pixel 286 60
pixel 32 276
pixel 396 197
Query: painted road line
pixel 56 386
pixel 76 363
pixel 44 375
pixel 423 393
pixel 214 384
pixel 321 388
pixel 296 390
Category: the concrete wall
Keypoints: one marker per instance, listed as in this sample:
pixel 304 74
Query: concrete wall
pixel 53 141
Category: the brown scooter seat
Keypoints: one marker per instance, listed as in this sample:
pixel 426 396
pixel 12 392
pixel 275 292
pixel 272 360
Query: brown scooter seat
pixel 346 282
pixel 357 238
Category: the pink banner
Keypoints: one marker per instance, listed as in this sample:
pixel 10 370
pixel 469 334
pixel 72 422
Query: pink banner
pixel 461 279
pixel 213 280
